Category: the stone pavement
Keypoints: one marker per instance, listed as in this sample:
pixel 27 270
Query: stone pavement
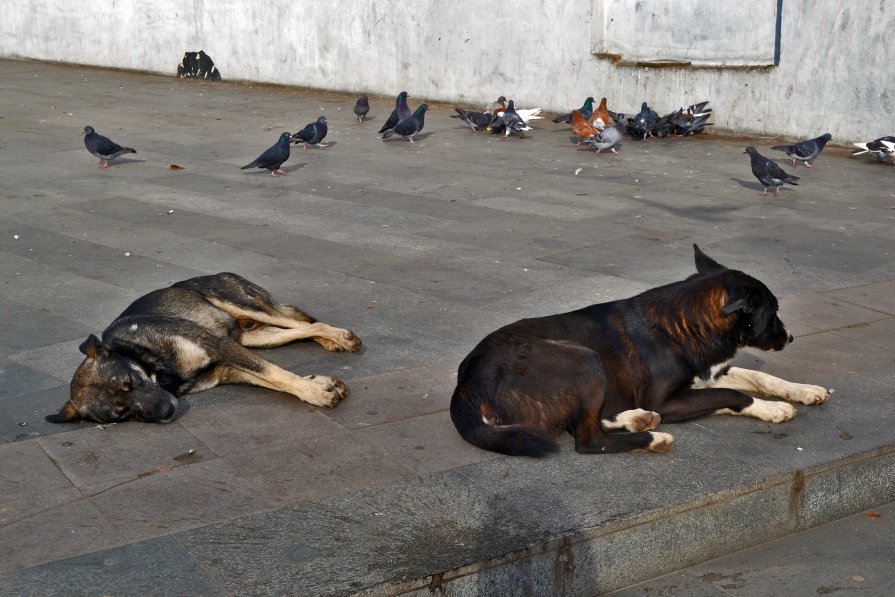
pixel 421 249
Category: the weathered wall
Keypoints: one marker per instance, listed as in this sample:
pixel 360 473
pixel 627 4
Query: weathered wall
pixel 835 74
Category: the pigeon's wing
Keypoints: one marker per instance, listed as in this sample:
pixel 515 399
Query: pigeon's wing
pixel 103 147
pixel 406 127
pixel 392 120
pixel 806 149
pixel 272 157
pixel 306 134
pixel 777 173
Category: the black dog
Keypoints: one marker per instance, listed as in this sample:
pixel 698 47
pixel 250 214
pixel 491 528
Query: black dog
pixel 624 366
pixel 191 337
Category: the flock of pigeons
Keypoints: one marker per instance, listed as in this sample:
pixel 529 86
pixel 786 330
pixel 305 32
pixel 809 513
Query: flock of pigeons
pixel 597 128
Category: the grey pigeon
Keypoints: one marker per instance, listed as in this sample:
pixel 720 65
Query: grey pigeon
pixel 878 148
pixel 103 147
pixel 803 151
pixel 411 126
pixel 475 120
pixel 312 134
pixel 587 110
pixel 513 122
pixel 273 157
pixel 644 123
pixel 608 139
pixel 769 173
pixel 362 107
pixel 401 111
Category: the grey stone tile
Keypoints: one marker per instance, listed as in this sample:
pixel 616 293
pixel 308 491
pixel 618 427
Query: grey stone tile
pixel 879 296
pixel 22 417
pixel 880 334
pixel 118 571
pixel 805 313
pixel 80 256
pixel 57 360
pixel 30 482
pixel 60 532
pixel 16 379
pixel 258 423
pixel 424 444
pixel 170 499
pixel 397 395
pixel 25 328
pixel 101 456
pixel 342 546
pixel 848 556
pixel 316 468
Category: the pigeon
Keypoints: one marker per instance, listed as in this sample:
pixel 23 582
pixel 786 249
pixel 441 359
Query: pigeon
pixel 312 134
pixel 582 127
pixel 273 157
pixel 475 120
pixel 513 122
pixel 769 173
pixel 103 147
pixel 686 124
pixel 600 116
pixel 608 139
pixel 498 105
pixel 644 123
pixel 401 112
pixel 362 107
pixel 586 110
pixel 803 151
pixel 411 126
pixel 882 148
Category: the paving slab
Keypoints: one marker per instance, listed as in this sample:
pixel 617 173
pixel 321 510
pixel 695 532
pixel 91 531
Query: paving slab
pixel 421 249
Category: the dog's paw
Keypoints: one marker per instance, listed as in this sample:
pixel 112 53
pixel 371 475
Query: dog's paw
pixel 345 340
pixel 771 411
pixel 635 420
pixel 806 394
pixel 325 391
pixel 661 442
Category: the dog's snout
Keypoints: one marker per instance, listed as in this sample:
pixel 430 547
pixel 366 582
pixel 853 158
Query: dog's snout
pixel 789 338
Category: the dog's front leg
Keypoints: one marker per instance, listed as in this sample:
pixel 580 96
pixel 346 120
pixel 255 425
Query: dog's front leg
pixel 762 384
pixel 699 402
pixel 318 390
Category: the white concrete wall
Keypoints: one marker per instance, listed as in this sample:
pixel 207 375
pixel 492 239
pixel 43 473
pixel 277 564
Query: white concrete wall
pixel 836 71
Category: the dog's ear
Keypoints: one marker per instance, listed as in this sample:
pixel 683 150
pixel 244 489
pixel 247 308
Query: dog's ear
pixel 736 302
pixel 93 347
pixel 68 414
pixel 704 263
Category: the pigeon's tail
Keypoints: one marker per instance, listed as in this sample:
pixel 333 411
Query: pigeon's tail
pixel 252 165
pixel 565 118
pixel 786 148
pixel 387 134
pixel 862 149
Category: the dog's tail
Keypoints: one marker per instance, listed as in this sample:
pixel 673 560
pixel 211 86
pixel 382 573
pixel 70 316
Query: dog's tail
pixel 513 440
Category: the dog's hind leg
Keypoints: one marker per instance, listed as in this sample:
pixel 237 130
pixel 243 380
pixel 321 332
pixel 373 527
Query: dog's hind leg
pixel 654 441
pixel 590 438
pixel 633 420
pixel 267 336
pixel 762 384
